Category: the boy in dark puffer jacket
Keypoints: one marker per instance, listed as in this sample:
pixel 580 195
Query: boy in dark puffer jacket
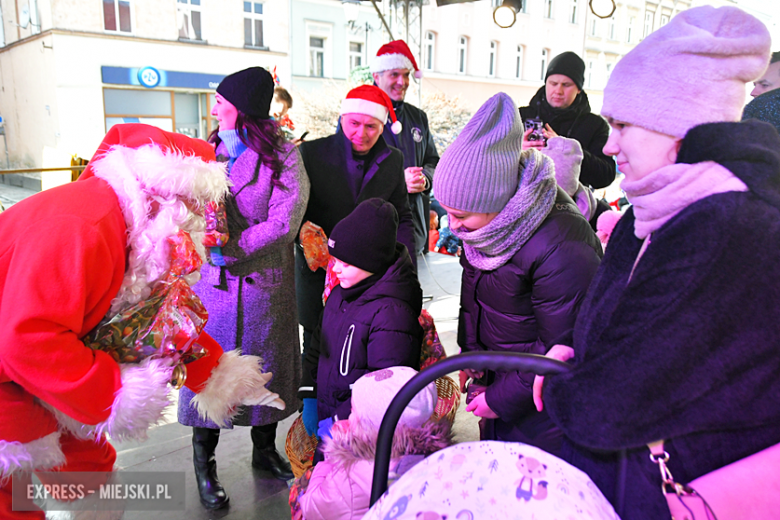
pixel 370 320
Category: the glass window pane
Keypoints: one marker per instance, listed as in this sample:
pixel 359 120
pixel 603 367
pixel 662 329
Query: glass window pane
pixel 196 23
pixel 316 42
pixel 124 16
pixel 195 2
pixel 258 8
pixel 354 47
pixel 247 31
pixel 258 33
pixel 137 102
pixel 182 1
pixel 109 16
pixel 247 7
pixel 186 106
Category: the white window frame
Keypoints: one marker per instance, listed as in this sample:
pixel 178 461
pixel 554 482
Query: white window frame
pixel 355 58
pixel 649 19
pixel 589 82
pixel 573 14
pixel 493 59
pixel 463 54
pixel 253 17
pixel 430 50
pixel 612 28
pixel 594 27
pixel 630 28
pixel 664 20
pixel 519 62
pixel 186 8
pixel 548 9
pixel 545 62
pixel 322 30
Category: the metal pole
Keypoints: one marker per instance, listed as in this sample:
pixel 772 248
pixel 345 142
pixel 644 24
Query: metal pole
pixel 384 22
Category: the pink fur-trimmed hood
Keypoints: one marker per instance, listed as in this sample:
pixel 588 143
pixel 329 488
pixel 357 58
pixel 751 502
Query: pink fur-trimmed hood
pixel 358 441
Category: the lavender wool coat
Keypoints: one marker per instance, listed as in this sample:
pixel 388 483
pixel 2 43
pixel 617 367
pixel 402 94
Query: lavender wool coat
pixel 251 301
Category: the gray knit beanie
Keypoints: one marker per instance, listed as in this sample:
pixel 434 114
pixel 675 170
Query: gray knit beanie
pixel 567 156
pixel 479 171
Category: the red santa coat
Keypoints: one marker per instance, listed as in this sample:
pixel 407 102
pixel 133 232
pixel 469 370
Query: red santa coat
pixel 63 257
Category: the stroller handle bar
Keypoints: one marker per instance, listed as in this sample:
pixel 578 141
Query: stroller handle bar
pixel 497 361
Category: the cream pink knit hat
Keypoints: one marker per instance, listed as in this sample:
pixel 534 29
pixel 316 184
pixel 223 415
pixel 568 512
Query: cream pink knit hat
pixel 691 71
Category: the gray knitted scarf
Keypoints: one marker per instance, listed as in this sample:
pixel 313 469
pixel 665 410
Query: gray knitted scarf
pixel 492 246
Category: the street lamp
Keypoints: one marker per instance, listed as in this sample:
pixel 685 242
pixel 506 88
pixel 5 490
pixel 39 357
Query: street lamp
pixel 505 14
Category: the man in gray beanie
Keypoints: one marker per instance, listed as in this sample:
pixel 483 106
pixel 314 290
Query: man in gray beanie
pixel 529 256
pixel 563 108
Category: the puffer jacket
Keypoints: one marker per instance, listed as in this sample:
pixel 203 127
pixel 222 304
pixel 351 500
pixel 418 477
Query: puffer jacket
pixel 340 486
pixel 524 306
pixel 362 331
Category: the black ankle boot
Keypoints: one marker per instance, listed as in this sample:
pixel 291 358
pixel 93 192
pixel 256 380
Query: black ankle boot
pixel 264 454
pixel 204 442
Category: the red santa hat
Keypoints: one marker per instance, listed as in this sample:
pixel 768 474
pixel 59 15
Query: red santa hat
pixel 395 55
pixel 371 101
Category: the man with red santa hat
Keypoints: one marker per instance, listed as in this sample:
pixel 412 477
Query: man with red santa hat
pixel 74 255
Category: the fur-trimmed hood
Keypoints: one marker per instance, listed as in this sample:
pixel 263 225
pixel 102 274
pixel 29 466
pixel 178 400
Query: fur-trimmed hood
pixel 357 441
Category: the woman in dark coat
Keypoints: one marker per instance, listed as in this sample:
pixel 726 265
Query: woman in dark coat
pixel 250 293
pixel 677 339
pixel 529 256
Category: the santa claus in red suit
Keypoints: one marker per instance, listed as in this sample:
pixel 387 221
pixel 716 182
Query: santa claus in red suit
pixel 75 254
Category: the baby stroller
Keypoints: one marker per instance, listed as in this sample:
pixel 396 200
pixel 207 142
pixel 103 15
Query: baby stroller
pixel 485 479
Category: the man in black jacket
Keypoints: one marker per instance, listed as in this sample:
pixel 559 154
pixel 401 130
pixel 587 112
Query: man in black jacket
pixel 391 68
pixel 346 168
pixel 563 107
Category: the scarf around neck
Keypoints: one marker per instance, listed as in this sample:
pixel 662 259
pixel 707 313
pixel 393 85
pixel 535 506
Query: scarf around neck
pixel 662 194
pixel 491 246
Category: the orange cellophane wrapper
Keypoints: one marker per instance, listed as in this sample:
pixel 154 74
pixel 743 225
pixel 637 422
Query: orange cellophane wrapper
pixel 331 281
pixel 165 325
pixel 315 246
pixel 216 225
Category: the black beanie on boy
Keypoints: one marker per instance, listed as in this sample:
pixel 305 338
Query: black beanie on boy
pixel 568 64
pixel 366 237
pixel 250 90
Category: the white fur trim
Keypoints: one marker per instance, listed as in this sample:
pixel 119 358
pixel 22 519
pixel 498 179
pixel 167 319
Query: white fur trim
pixel 418 74
pixel 40 454
pixel 237 380
pixel 390 62
pixel 137 406
pixel 140 176
pixel 396 127
pixel 363 106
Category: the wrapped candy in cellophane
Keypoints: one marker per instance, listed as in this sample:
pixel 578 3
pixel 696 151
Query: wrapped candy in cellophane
pixel 165 325
pixel 216 225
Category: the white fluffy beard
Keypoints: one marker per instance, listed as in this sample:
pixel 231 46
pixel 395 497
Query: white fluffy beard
pixel 149 250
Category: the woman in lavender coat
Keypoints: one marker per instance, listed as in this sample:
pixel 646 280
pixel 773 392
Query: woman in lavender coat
pixel 250 290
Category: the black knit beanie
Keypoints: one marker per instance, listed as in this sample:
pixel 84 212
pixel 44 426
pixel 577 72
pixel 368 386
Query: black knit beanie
pixel 250 90
pixel 366 237
pixel 568 64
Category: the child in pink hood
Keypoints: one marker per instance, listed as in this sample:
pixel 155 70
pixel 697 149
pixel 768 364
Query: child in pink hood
pixel 340 487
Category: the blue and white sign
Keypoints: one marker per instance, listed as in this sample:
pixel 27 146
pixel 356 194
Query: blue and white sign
pixel 149 77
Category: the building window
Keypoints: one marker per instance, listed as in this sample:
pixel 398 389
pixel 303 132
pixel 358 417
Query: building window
pixel 2 30
pixel 495 3
pixel 594 27
pixel 548 8
pixel 189 19
pixel 612 27
pixel 609 70
pixel 573 15
pixel 492 59
pixel 589 83
pixel 317 57
pixel 524 7
pixel 355 55
pixel 664 20
pixel 545 54
pixel 630 29
pixel 519 62
pixel 116 15
pixel 463 48
pixel 253 24
pixel 649 15
pixel 430 50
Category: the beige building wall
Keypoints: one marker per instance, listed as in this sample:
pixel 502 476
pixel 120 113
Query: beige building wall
pixel 533 32
pixel 52 90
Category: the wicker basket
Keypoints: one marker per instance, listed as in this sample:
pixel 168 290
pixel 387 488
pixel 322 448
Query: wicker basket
pixel 449 399
pixel 299 447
